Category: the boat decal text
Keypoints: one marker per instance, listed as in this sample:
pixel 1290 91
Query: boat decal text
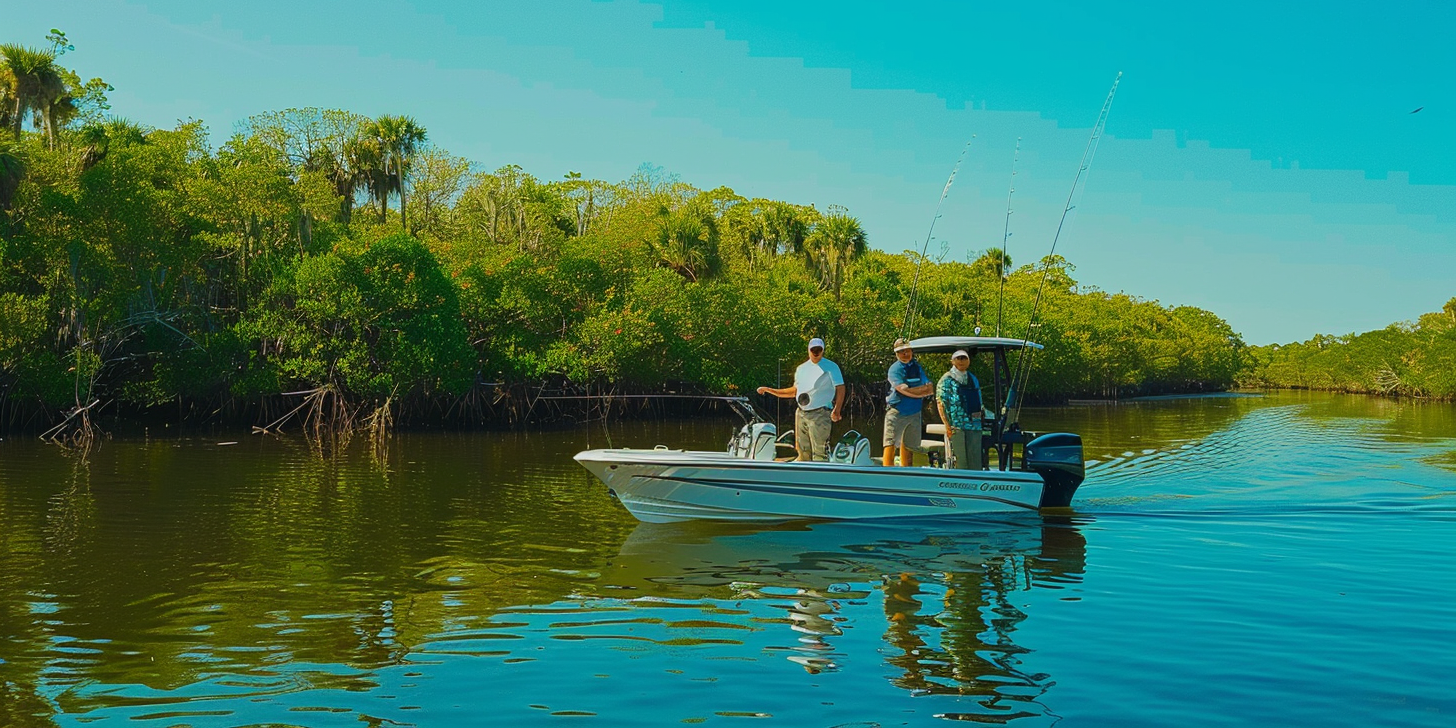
pixel 983 486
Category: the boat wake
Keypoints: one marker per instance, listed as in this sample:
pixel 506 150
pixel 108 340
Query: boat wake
pixel 1274 459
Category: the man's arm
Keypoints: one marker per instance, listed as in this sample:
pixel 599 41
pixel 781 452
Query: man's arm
pixel 785 393
pixel 920 392
pixel 835 416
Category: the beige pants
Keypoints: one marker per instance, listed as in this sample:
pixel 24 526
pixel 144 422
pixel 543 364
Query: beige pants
pixel 811 433
pixel 965 449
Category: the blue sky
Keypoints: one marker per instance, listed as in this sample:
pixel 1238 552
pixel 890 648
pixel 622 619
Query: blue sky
pixel 1261 158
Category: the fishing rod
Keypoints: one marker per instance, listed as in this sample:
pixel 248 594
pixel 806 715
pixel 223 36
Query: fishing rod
pixel 1023 363
pixel 925 249
pixel 1006 235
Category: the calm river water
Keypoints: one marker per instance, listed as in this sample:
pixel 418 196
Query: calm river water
pixel 1279 560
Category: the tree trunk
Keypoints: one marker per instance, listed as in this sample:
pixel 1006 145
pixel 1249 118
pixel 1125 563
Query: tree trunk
pixel 403 218
pixel 48 116
pixel 305 233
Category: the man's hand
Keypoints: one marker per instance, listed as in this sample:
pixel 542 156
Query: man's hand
pixel 763 390
pixel 835 416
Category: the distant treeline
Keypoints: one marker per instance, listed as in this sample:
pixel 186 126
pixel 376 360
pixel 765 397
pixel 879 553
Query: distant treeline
pixel 347 263
pixel 1404 359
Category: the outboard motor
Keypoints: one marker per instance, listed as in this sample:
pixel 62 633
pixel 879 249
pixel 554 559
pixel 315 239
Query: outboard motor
pixel 1057 457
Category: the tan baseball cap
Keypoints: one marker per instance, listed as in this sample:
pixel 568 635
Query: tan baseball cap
pixel 901 344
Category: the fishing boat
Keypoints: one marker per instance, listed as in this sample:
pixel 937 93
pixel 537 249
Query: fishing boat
pixel 748 482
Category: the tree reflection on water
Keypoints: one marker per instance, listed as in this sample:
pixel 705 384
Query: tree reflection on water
pixel 946 589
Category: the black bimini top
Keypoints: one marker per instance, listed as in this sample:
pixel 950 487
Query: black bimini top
pixel 972 344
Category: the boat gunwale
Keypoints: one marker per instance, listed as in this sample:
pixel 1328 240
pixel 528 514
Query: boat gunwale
pixel 688 458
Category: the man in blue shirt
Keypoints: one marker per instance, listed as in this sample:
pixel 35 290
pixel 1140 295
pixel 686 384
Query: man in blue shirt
pixel 908 386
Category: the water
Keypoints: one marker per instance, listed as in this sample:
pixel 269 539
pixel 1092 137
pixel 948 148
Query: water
pixel 1286 559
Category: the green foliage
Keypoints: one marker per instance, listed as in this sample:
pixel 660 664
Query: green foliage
pixel 149 266
pixel 371 320
pixel 1402 359
pixel 12 170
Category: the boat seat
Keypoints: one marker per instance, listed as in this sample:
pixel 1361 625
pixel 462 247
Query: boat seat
pixel 935 429
pixel 935 450
pixel 851 449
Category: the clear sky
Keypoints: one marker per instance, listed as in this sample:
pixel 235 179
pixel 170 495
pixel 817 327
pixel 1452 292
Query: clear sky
pixel 1262 160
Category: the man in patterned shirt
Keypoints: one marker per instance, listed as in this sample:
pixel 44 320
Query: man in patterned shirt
pixel 958 394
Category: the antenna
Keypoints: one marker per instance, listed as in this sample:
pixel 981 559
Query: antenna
pixel 924 249
pixel 1006 235
pixel 1023 363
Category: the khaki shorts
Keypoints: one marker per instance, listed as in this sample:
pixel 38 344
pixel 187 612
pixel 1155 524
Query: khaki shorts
pixel 902 430
pixel 811 433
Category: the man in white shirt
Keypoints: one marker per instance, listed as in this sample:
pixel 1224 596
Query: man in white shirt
pixel 819 391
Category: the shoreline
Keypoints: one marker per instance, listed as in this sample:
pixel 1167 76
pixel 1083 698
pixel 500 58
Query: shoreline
pixel 523 408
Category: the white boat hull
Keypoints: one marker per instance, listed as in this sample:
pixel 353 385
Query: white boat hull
pixel 663 486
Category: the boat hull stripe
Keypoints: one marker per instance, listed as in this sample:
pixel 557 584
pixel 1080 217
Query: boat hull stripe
pixel 1026 476
pixel 837 492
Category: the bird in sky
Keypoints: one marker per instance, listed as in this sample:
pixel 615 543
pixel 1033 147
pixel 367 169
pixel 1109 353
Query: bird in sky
pixel 1418 109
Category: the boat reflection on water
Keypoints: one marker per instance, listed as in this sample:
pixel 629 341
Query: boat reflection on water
pixel 943 592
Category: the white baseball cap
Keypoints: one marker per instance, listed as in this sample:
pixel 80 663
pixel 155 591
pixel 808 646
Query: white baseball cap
pixel 816 342
pixel 960 353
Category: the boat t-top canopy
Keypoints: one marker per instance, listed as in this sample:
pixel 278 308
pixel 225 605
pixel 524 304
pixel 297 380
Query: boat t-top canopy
pixel 972 344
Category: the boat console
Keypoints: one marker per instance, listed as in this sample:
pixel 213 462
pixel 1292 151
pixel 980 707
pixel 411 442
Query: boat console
pixel 755 441
pixel 1057 457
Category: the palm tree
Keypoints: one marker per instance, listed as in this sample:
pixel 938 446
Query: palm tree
pixel 832 246
pixel 35 85
pixel 399 139
pixel 100 138
pixel 993 263
pixel 784 229
pixel 348 170
pixel 687 240
pixel 364 166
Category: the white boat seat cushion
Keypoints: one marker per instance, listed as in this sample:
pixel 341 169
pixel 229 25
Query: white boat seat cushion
pixel 851 449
